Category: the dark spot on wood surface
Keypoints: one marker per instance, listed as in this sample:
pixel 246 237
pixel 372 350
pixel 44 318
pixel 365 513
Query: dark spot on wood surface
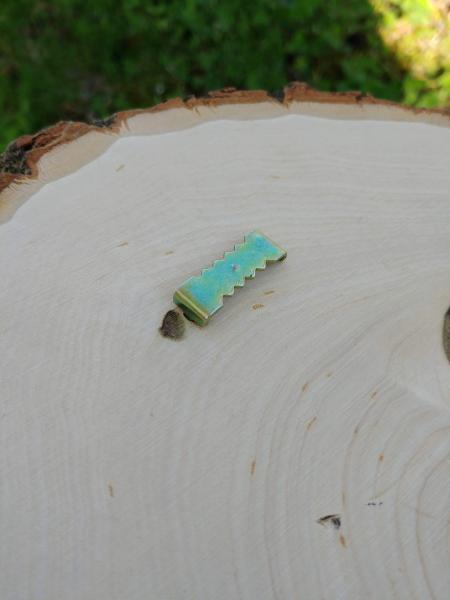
pixel 446 334
pixel 375 503
pixel 125 243
pixel 305 386
pixel 330 521
pixel 257 305
pixel 168 252
pixel 111 490
pixel 268 292
pixel 253 467
pixel 173 325
pixel 381 457
pixel 343 541
pixel 119 168
pixel 311 423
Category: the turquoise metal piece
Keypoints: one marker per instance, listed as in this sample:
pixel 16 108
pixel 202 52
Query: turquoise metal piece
pixel 201 296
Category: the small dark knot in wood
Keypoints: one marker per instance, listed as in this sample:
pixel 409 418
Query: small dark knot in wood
pixel 446 334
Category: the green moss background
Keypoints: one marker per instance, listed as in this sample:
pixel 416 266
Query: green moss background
pixel 82 60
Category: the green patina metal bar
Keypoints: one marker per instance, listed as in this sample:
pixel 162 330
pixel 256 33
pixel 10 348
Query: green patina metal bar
pixel 201 296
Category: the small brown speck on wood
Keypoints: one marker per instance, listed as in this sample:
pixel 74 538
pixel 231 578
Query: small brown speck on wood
pixel 330 520
pixel 311 423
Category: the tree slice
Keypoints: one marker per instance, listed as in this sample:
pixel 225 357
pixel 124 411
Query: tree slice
pixel 296 447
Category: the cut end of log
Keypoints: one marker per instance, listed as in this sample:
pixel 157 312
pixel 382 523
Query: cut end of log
pixel 201 469
pixel 19 162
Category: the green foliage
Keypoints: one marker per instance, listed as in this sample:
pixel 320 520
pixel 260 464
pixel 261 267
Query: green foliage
pixel 79 60
pixel 418 33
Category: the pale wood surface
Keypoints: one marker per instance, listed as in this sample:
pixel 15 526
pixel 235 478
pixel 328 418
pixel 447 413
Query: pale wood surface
pixel 135 467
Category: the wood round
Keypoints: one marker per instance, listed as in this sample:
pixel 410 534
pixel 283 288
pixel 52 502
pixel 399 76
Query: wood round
pixel 295 448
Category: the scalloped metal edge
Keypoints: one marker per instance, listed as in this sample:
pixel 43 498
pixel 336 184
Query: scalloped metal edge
pixel 200 297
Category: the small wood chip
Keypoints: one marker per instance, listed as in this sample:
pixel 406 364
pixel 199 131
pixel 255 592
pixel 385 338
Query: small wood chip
pixel 173 325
